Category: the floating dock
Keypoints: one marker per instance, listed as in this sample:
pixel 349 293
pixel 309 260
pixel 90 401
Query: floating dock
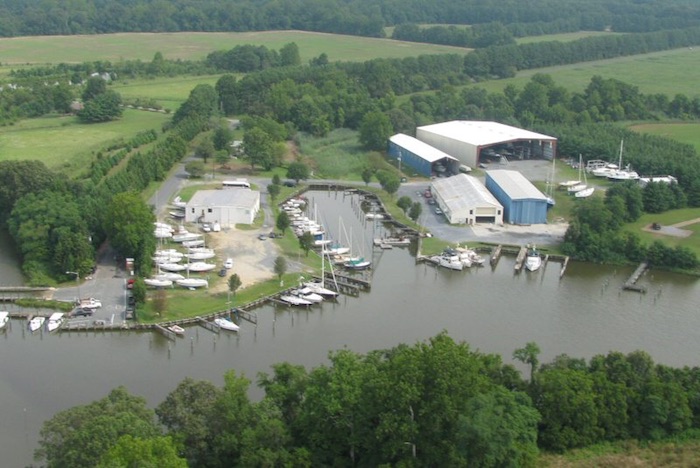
pixel 631 283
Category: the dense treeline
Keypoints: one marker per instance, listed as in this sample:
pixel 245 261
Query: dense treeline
pixel 478 36
pixel 358 17
pixel 436 403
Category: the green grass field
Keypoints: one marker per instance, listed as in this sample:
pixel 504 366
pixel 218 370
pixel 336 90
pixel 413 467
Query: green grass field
pixel 682 131
pixel 667 219
pixel 563 37
pixel 669 72
pixel 195 46
pixel 64 144
pixel 168 92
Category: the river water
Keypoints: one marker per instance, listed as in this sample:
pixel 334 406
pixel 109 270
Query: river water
pixel 495 310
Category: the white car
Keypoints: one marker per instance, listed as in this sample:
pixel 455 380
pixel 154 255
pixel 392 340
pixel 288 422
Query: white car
pixel 90 303
pixel 228 264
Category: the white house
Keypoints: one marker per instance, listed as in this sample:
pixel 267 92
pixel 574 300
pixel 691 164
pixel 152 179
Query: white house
pixel 226 207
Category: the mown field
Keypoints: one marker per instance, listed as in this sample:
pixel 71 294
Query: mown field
pixel 684 132
pixel 195 46
pixel 64 144
pixel 563 37
pixel 168 92
pixel 669 72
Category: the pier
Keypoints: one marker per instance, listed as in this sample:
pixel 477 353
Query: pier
pixel 520 259
pixel 631 283
pixel 564 264
pixel 495 255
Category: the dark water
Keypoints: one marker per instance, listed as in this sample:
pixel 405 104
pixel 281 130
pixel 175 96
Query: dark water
pixel 496 311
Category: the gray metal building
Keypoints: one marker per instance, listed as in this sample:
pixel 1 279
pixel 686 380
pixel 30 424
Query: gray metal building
pixel 464 200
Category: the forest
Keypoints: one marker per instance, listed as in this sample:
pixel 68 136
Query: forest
pixel 432 403
pixel 356 17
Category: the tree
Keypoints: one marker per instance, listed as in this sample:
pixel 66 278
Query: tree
pixel 222 137
pixel 367 174
pixel 289 55
pixel 186 413
pixel 201 104
pixel 529 355
pixel 128 222
pixel 138 290
pixel 298 171
pixel 18 178
pixel 273 190
pixel 222 157
pixel 152 452
pixel 234 282
pixel 160 301
pixel 276 179
pixel 205 149
pixel 94 87
pixel 82 435
pixel 415 211
pixel 404 203
pixel 258 147
pixel 195 169
pixel 391 184
pixel 280 267
pixel 499 428
pixel 306 242
pixel 102 108
pixel 375 129
pixel 283 221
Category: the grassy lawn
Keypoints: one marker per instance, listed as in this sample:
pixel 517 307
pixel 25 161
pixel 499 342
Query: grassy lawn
pixel 684 132
pixel 65 144
pixel 168 92
pixel 667 219
pixel 196 46
pixel 665 72
pixel 563 37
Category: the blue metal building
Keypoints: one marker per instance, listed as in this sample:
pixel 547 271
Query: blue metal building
pixel 522 202
pixel 419 156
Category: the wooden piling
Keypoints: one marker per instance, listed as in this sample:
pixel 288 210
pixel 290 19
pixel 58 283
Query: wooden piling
pixel 520 259
pixel 495 255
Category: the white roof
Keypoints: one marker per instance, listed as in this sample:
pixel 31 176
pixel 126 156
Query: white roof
pixel 462 192
pixel 482 133
pixel 419 148
pixel 516 185
pixel 234 198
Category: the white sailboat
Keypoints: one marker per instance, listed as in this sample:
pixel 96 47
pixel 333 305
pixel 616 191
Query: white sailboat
pixel 171 267
pixel 586 192
pixel 355 262
pixel 158 282
pixel 572 183
pixel 294 300
pixel 226 324
pixel 192 283
pixel 622 174
pixel 580 185
pixel 200 266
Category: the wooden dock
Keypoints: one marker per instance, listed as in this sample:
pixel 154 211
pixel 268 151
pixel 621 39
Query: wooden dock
pixel 564 264
pixel 520 259
pixel 169 334
pixel 631 283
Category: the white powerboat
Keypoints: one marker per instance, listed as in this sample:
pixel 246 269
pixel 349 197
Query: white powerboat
pixel 4 318
pixel 226 324
pixel 55 321
pixel 158 282
pixel 357 263
pixel 177 329
pixel 451 262
pixel 36 323
pixel 192 283
pixel 200 266
pixel 533 261
pixel 294 300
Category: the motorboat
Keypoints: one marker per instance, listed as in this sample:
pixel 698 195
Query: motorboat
pixel 318 288
pixel 226 324
pixel 172 267
pixel 605 170
pixel 357 263
pixel 192 283
pixel 36 323
pixel 470 254
pixel 4 318
pixel 177 329
pixel 294 300
pixel 179 203
pixel 55 321
pixel 200 266
pixel 533 261
pixel 158 282
pixel 446 260
pixel 374 216
pixel 177 214
pixel 398 241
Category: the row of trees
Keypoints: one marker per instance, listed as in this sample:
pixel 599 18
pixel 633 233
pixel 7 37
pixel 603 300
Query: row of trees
pixel 435 403
pixel 360 17
pixel 248 58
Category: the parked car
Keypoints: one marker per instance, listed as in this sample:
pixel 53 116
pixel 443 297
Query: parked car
pixel 262 237
pixel 130 283
pixel 223 272
pixel 272 235
pixel 90 303
pixel 290 183
pixel 431 201
pixel 131 300
pixel 427 194
pixel 80 312
pixel 438 211
pixel 228 264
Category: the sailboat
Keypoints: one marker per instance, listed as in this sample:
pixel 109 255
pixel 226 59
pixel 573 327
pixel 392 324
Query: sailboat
pixel 550 184
pixel 572 183
pixel 587 191
pixel 319 288
pixel 622 174
pixel 580 186
pixel 356 263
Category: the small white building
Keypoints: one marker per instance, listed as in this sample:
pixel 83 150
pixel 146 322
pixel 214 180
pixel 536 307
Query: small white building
pixel 226 207
pixel 465 200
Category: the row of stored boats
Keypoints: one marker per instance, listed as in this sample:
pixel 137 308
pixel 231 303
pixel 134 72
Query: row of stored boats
pixel 53 323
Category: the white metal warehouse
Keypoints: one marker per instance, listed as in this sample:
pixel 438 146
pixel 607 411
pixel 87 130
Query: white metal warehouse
pixel 465 200
pixel 226 207
pixel 474 142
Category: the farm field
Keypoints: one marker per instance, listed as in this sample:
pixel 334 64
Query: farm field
pixel 168 92
pixel 66 145
pixel 196 46
pixel 669 218
pixel 669 72
pixel 681 131
pixel 563 37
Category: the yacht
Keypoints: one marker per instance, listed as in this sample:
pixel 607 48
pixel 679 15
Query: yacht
pixel 533 261
pixel 36 323
pixel 446 260
pixel 55 321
